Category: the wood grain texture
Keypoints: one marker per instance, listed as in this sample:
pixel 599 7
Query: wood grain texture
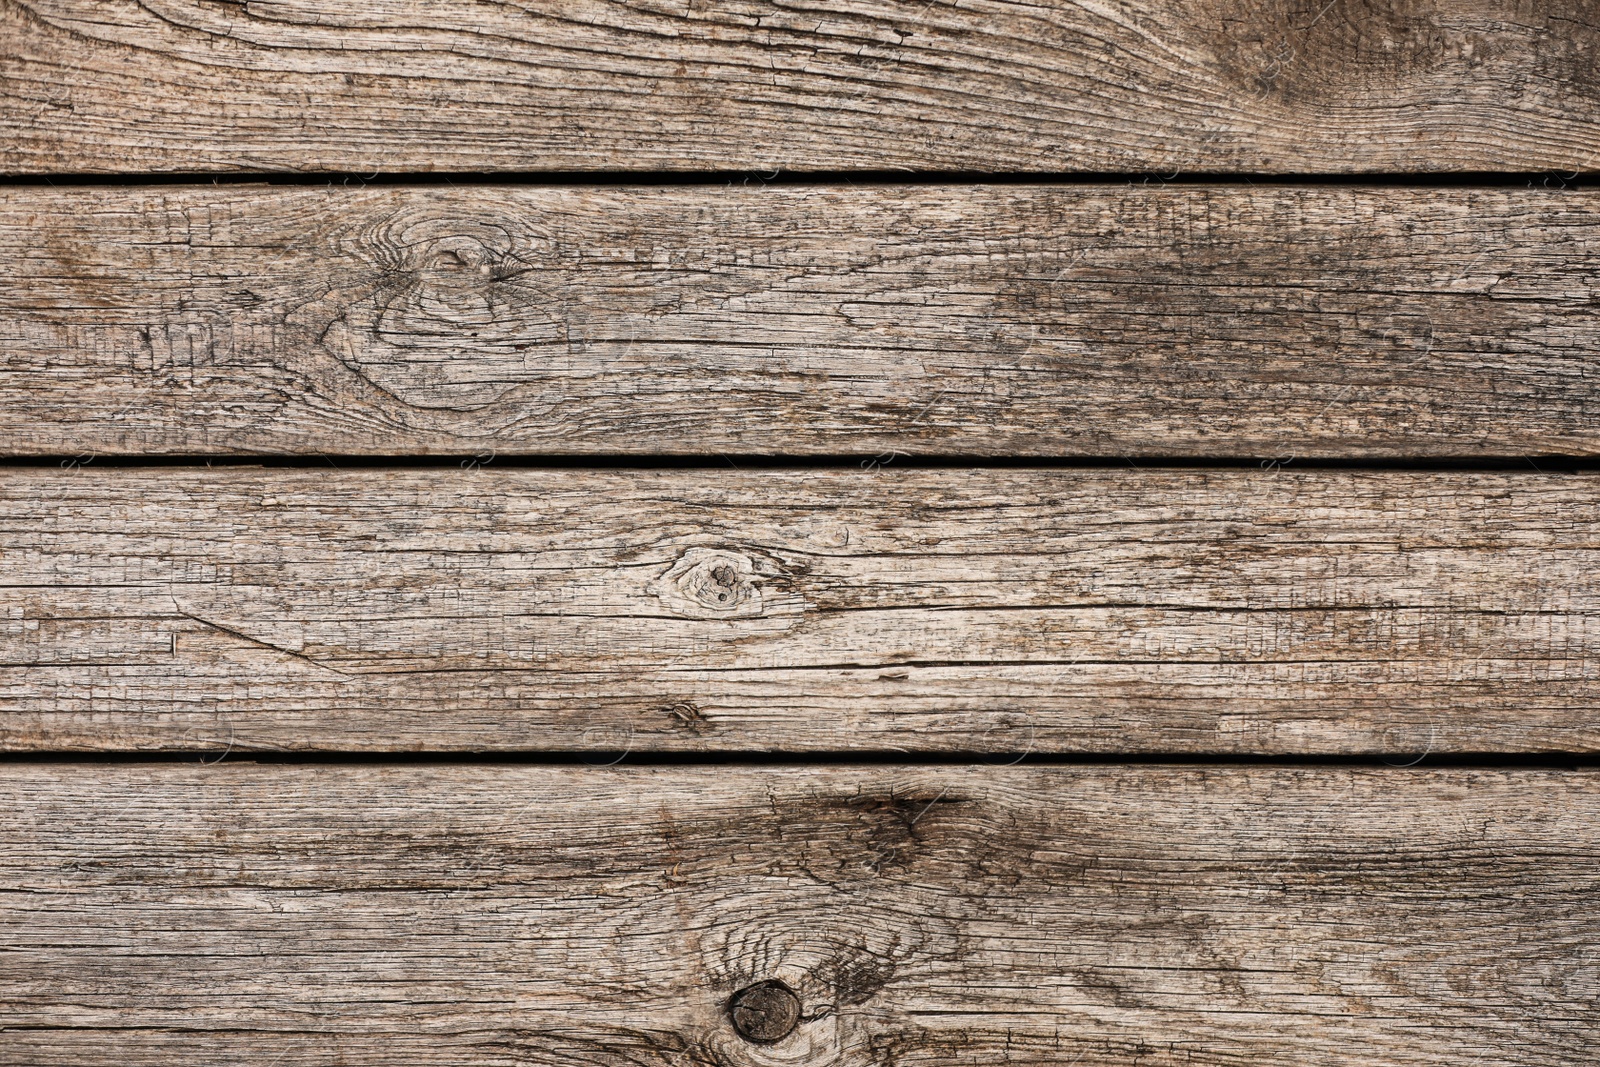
pixel 294 915
pixel 696 610
pixel 1133 85
pixel 1014 320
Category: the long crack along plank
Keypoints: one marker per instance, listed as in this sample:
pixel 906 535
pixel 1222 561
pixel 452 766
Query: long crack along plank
pixel 1307 86
pixel 1276 322
pixel 1116 610
pixel 295 915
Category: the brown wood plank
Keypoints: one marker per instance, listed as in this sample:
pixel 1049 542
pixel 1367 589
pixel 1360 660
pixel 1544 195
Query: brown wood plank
pixel 697 610
pixel 1057 320
pixel 1306 86
pixel 294 915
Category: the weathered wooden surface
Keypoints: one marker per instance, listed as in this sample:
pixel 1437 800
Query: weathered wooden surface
pixel 283 916
pixel 1181 320
pixel 1252 85
pixel 1112 610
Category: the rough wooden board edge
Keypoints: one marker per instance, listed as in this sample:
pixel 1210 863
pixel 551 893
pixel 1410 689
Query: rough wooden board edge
pixel 1152 86
pixel 282 915
pixel 1281 322
pixel 1117 611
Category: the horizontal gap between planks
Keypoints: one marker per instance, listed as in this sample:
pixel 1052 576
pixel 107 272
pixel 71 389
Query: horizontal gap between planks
pixel 603 759
pixel 1430 180
pixel 831 461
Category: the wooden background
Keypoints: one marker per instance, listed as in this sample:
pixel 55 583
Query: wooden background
pixel 1061 533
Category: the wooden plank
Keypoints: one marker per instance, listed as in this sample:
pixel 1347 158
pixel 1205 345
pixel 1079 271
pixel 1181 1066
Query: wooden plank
pixel 1013 320
pixel 368 915
pixel 697 610
pixel 410 85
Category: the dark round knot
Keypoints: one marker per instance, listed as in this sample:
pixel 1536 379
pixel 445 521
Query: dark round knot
pixel 765 1012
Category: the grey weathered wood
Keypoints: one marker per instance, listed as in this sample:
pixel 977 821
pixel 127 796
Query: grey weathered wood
pixel 278 916
pixel 1181 320
pixel 1259 85
pixel 1055 610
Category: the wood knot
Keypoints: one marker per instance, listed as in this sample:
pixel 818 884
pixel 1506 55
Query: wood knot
pixel 765 1012
pixel 687 714
pixel 715 583
pixel 453 312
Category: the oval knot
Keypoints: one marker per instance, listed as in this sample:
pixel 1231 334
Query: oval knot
pixel 714 583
